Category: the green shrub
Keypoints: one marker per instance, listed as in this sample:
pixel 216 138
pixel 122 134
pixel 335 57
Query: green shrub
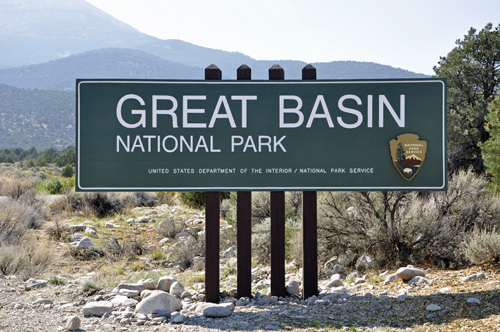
pixel 407 226
pixel 53 186
pixel 55 280
pixel 483 247
pixel 99 204
pixel 193 199
pixel 68 171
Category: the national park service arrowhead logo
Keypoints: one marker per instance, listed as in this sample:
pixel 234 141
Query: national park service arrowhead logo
pixel 408 154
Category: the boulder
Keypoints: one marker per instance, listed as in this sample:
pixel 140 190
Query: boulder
pixel 347 258
pixel 176 289
pixel 97 308
pixel 365 262
pixel 36 283
pixel 406 273
pixel 293 287
pixel 419 279
pixel 85 242
pixel 158 300
pixel 228 253
pixel 148 283
pixel 143 219
pixel 331 263
pixel 128 292
pixel 164 283
pixel 123 301
pixel 72 323
pixel 139 287
pixel 334 283
pixel 217 311
pixel 337 268
pixel 391 277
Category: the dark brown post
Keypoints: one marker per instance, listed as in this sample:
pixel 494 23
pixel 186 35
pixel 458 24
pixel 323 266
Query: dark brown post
pixel 277 222
pixel 212 224
pixel 244 223
pixel 309 226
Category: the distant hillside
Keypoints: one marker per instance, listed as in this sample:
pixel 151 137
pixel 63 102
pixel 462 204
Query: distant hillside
pixel 36 118
pixel 193 55
pixel 126 63
pixel 36 31
pixel 105 63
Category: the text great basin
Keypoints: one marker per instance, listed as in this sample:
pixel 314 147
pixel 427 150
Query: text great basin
pixel 288 117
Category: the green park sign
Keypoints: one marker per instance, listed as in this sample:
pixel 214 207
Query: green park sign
pixel 151 135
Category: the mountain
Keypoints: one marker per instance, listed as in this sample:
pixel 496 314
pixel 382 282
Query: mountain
pixel 127 63
pixel 198 56
pixel 38 118
pixel 104 63
pixel 36 31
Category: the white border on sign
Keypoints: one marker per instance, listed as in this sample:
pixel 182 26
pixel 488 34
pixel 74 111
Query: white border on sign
pixel 261 188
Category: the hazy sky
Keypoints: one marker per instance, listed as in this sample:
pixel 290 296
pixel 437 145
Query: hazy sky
pixel 406 34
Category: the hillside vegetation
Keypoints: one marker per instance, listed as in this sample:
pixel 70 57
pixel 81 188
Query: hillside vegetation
pixel 36 118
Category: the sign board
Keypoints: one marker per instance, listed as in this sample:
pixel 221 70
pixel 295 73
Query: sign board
pixel 149 135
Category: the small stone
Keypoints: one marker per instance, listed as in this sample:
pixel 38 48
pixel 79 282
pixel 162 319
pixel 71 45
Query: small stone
pixel 143 219
pixel 433 307
pixel 72 323
pixel 271 327
pixel 473 300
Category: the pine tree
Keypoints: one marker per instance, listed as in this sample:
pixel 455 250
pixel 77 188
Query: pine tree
pixel 491 148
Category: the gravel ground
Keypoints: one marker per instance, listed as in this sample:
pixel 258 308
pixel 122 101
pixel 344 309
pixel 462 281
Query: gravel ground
pixel 369 307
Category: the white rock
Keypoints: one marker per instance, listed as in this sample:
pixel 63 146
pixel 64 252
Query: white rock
pixel 85 242
pixel 131 220
pixel 334 283
pixel 164 283
pixel 228 253
pixel 406 273
pixel 418 279
pixel 143 219
pixel 72 323
pixel 136 287
pixel 293 287
pixel 148 283
pixel 128 292
pixel 391 277
pixel 473 300
pixel 97 308
pixel 123 301
pixel 177 318
pixel 216 311
pixel 177 289
pixel 158 300
pixel 433 307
